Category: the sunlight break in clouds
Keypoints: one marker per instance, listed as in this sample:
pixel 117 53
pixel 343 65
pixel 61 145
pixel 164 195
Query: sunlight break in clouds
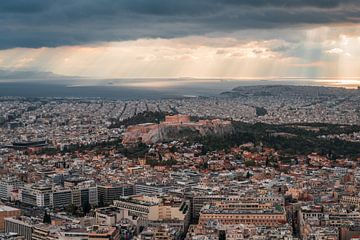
pixel 184 57
pixel 317 52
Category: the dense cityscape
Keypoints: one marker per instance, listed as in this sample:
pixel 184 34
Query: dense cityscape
pixel 179 119
pixel 265 162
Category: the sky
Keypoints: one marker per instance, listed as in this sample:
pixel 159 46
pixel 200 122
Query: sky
pixel 227 39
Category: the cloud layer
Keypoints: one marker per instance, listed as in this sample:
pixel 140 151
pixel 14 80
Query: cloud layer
pixel 320 52
pixel 39 23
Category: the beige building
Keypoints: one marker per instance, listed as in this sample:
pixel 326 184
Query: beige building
pixel 179 118
pixel 249 213
pixel 45 232
pixel 142 209
pixel 159 233
pixel 350 200
pixel 6 212
pixel 104 233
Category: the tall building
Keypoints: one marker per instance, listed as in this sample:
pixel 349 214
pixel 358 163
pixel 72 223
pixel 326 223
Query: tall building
pixel 48 196
pixel 62 198
pixel 143 188
pixel 7 185
pixel 108 193
pixel 36 195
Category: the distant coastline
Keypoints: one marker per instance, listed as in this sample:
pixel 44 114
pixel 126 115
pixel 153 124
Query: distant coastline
pixel 180 88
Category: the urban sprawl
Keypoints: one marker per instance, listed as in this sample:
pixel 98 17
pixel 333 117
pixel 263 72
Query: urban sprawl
pixel 259 163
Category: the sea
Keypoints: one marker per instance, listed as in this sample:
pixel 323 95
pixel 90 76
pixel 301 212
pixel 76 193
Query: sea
pixel 132 89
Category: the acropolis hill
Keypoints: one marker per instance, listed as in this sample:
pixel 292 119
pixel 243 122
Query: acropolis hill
pixel 174 127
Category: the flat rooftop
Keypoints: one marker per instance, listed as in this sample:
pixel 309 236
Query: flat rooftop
pixel 4 208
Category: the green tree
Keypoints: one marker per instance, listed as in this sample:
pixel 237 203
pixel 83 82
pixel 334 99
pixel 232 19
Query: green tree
pixel 86 208
pixel 47 218
pixel 249 163
pixel 72 209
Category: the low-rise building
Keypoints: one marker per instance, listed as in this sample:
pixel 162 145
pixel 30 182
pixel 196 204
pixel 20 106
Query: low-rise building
pixel 5 212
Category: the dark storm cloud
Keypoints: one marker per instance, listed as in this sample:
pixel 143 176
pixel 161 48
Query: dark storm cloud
pixel 37 23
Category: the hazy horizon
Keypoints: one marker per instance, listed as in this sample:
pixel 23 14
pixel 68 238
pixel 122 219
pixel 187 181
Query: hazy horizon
pixel 146 88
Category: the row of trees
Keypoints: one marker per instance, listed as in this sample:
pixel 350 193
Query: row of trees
pixel 156 162
pixel 73 210
pixel 301 142
pixel 144 117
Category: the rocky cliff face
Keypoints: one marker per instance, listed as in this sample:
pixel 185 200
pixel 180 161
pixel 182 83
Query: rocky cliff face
pixel 152 133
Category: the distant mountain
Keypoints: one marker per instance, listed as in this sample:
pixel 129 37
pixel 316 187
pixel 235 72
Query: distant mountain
pixel 288 90
pixel 16 76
